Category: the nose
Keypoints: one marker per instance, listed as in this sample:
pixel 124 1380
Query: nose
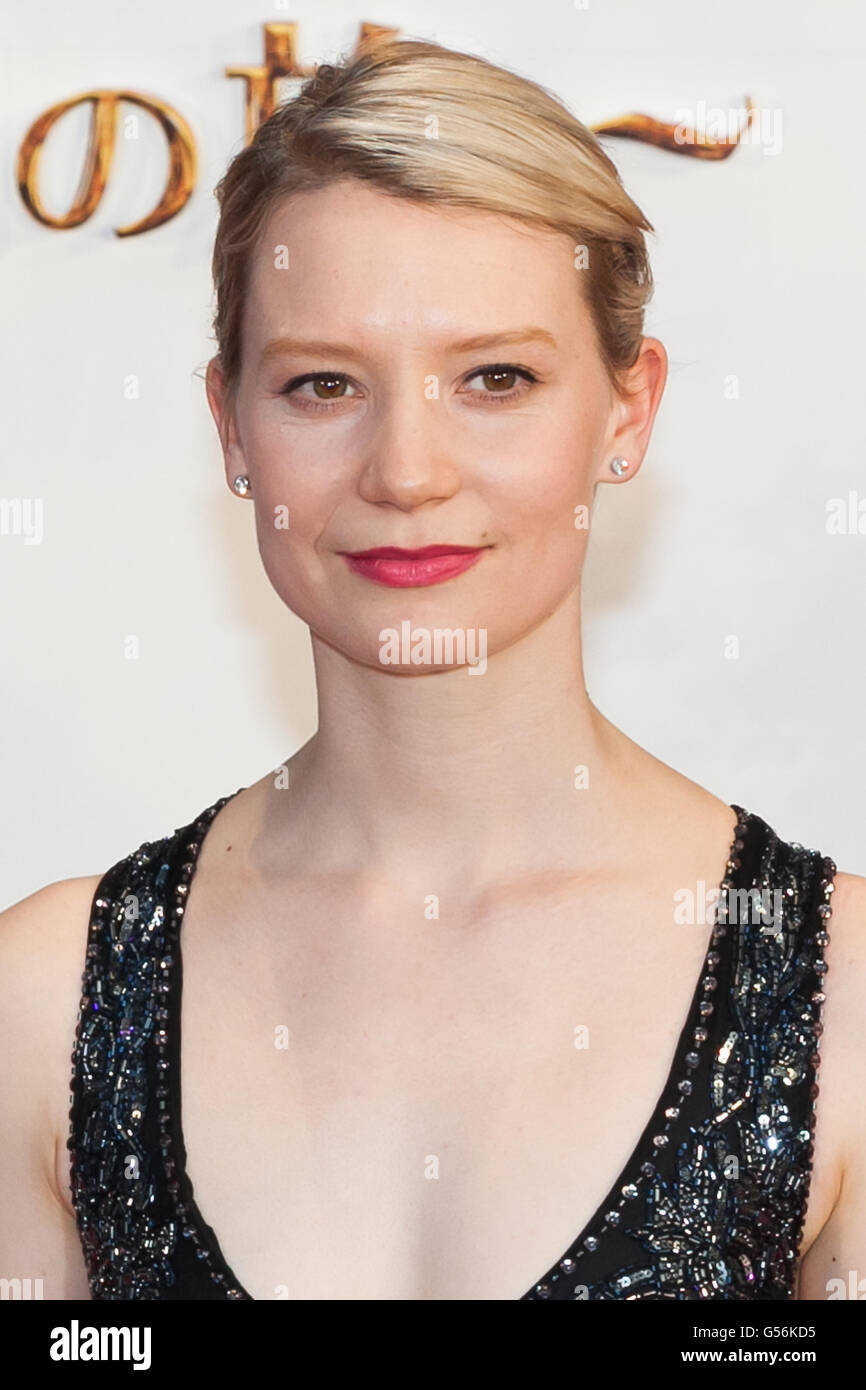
pixel 408 461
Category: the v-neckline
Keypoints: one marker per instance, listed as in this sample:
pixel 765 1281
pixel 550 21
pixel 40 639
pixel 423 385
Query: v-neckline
pixel 188 849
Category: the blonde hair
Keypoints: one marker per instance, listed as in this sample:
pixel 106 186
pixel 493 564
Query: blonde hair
pixel 501 143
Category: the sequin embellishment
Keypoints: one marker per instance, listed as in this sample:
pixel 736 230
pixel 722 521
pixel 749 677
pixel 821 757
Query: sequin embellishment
pixel 709 1206
pixel 140 1229
pixel 724 1184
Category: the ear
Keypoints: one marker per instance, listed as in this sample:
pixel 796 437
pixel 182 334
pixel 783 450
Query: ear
pixel 633 411
pixel 221 402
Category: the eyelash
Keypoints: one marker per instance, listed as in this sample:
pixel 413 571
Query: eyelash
pixel 500 397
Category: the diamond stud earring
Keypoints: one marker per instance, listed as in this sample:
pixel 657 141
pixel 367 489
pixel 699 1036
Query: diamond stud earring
pixel 619 466
pixel 241 485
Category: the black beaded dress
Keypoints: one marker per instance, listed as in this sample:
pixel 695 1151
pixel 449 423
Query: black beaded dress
pixel 710 1205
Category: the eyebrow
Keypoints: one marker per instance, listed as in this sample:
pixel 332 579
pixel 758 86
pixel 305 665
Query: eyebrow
pixel 314 347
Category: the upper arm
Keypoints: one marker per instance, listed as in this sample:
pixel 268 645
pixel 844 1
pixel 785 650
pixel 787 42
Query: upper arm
pixel 834 1266
pixel 42 952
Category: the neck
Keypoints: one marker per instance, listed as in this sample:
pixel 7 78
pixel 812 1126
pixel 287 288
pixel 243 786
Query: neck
pixel 461 777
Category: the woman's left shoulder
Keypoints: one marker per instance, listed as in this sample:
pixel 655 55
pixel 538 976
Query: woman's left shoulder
pixel 834 1266
pixel 845 982
pixel 846 951
pixel 849 901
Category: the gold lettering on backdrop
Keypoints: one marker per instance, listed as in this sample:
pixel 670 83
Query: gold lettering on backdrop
pixel 261 99
pixel 281 60
pixel 666 136
pixel 100 152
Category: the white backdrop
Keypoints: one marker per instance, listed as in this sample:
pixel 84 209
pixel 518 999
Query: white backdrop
pixel 758 264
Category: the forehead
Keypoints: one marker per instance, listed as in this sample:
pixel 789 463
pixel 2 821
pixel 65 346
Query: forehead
pixel 357 259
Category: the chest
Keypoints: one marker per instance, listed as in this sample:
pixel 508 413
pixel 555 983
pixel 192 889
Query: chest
pixel 394 1104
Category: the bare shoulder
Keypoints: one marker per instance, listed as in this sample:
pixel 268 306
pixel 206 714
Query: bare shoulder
pixel 835 1261
pixel 43 941
pixel 38 936
pixel 848 920
pixel 44 909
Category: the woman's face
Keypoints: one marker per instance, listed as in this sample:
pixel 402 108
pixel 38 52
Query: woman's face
pixel 419 376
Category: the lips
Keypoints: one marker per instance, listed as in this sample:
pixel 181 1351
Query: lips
pixel 403 569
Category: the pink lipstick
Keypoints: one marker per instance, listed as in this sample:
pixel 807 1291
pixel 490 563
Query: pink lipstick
pixel 406 569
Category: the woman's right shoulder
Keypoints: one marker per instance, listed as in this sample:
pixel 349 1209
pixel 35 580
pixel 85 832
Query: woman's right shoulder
pixel 43 945
pixel 41 937
pixel 43 953
pixel 47 904
pixel 39 932
pixel 59 914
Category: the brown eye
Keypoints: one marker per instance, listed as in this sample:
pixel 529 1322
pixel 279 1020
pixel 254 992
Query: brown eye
pixel 501 382
pixel 499 379
pixel 327 388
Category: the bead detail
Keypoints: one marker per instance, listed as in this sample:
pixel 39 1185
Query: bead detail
pixel 667 1209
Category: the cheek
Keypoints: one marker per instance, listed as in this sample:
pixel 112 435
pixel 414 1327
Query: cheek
pixel 287 536
pixel 540 502
pixel 298 468
pixel 291 479
pixel 289 521
pixel 292 505
pixel 538 486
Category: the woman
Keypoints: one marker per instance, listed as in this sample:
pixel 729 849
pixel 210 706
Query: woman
pixel 480 999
